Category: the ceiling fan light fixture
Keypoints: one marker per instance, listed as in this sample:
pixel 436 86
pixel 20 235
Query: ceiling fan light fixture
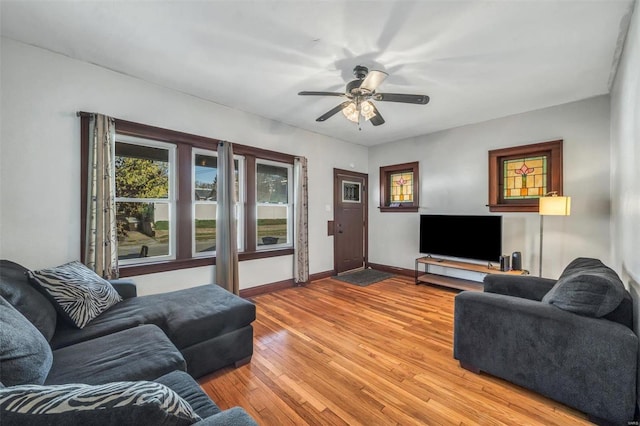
pixel 367 110
pixel 351 112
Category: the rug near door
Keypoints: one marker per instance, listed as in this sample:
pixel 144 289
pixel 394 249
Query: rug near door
pixel 363 277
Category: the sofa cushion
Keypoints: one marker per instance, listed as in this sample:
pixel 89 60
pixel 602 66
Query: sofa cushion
pixel 188 389
pixel 78 293
pixel 25 355
pixel 140 353
pixel 587 288
pixel 188 316
pixel 16 289
pixel 109 404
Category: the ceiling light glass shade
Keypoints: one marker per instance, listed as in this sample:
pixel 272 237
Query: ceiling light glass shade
pixel 351 112
pixel 555 206
pixel 367 111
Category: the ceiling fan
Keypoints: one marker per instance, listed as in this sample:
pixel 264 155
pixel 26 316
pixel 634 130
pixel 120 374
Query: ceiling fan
pixel 360 92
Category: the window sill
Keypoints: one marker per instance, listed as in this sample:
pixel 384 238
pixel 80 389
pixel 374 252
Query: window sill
pixel 174 265
pixel 399 209
pixel 523 208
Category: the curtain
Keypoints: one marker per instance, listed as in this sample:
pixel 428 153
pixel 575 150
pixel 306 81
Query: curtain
pixel 301 226
pixel 226 227
pixel 101 245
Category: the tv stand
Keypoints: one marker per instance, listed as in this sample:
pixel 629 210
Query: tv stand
pixel 427 277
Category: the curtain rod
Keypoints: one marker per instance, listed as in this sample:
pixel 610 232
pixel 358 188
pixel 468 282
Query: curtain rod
pixel 85 114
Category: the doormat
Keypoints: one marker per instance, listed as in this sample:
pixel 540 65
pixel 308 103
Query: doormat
pixel 363 277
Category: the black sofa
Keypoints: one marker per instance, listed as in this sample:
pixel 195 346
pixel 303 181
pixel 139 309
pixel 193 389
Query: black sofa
pixel 570 339
pixel 156 338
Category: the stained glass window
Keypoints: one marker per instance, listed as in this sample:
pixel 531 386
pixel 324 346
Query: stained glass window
pixel 520 175
pixel 401 185
pixel 525 178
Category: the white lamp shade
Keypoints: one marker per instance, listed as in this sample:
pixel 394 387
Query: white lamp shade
pixel 555 206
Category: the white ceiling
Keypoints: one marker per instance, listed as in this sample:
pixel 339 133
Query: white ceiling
pixel 477 60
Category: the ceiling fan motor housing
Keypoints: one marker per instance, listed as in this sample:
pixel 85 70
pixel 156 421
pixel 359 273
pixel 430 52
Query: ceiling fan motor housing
pixel 353 87
pixel 360 72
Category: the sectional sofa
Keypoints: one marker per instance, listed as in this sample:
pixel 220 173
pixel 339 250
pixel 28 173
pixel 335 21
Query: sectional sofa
pixel 156 345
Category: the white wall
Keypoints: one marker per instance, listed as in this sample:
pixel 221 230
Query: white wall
pixel 40 158
pixel 454 180
pixel 625 183
pixel 625 139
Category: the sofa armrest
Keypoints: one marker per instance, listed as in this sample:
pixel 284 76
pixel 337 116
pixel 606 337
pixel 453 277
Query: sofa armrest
pixel 587 363
pixel 126 288
pixel 524 286
pixel 235 416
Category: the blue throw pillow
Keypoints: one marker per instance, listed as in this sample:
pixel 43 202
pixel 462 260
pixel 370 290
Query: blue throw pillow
pixel 25 355
pixel 78 293
pixel 116 404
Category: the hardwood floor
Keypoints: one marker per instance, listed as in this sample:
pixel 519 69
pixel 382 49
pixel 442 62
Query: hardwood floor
pixel 333 353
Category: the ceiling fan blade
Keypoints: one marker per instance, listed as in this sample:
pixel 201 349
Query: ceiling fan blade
pixel 333 111
pixel 373 80
pixel 377 119
pixel 401 97
pixel 306 93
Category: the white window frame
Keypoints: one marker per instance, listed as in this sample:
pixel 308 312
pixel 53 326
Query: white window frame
pixel 289 205
pixel 240 202
pixel 170 200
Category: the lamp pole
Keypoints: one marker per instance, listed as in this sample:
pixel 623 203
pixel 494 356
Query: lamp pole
pixel 540 259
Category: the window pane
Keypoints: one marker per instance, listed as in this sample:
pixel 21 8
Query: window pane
pixel 272 184
pixel 205 227
pixel 141 171
pixel 206 182
pixel 401 185
pixel 272 224
pixel 525 178
pixel 143 229
pixel 206 178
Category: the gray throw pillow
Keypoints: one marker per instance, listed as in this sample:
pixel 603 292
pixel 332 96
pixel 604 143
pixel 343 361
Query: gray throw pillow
pixel 117 403
pixel 16 289
pixel 581 264
pixel 25 355
pixel 77 292
pixel 593 292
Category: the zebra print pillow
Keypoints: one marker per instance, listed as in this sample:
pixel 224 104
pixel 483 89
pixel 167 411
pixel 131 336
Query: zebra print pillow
pixel 116 403
pixel 77 292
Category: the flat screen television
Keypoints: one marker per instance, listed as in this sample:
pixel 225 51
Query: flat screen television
pixel 463 236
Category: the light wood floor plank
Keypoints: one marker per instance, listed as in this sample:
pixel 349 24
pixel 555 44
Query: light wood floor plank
pixel 332 353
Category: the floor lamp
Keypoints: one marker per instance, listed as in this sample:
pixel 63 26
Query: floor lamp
pixel 552 205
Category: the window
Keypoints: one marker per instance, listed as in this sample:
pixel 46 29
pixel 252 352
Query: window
pixel 205 186
pixel 520 175
pixel 145 200
pixel 399 189
pixel 274 202
pixel 166 199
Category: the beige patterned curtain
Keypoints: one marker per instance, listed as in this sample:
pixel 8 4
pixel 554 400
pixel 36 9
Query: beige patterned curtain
pixel 226 222
pixel 301 226
pixel 101 252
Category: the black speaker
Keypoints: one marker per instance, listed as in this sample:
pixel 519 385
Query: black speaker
pixel 504 263
pixel 516 261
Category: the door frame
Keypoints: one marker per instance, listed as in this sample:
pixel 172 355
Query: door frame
pixel 337 192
